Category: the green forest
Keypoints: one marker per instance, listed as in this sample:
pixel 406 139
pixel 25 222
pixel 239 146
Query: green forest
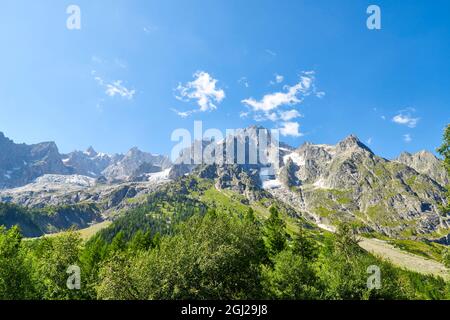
pixel 210 255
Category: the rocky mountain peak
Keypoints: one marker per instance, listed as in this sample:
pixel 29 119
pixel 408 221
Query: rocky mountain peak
pixel 90 152
pixel 43 149
pixel 427 163
pixel 425 154
pixel 352 142
pixel 132 161
pixel 404 156
pixel 134 152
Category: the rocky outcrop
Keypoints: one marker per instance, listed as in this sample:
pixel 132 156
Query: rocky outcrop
pixel 426 163
pixel 90 163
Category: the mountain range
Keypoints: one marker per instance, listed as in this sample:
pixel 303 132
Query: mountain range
pixel 21 164
pixel 325 184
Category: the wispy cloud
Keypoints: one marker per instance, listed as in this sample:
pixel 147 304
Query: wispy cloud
pixel 202 90
pixel 149 29
pixel 183 114
pixel 114 88
pixel 244 114
pixel 270 52
pixel 278 79
pixel 405 117
pixel 407 138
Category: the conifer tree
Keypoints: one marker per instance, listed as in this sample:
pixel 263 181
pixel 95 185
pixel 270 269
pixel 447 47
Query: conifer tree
pixel 275 237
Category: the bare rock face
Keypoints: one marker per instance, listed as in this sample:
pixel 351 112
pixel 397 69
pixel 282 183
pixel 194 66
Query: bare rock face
pixel 288 175
pixel 426 163
pixel 21 164
pixel 133 162
pixel 90 163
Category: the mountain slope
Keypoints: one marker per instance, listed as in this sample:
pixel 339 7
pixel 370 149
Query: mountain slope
pixel 347 182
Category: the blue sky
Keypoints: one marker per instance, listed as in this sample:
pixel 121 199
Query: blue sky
pixel 124 79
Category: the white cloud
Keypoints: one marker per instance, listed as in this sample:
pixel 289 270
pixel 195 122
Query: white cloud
pixel 292 96
pixel 277 107
pixel 289 115
pixel 404 117
pixel 406 120
pixel 369 141
pixel 114 88
pixel 407 138
pixel 290 129
pixel 320 94
pixel 243 114
pixel 183 114
pixel 203 90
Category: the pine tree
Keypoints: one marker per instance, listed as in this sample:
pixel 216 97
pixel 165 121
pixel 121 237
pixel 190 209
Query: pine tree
pixel 304 246
pixel 275 236
pixel 250 215
pixel 346 242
